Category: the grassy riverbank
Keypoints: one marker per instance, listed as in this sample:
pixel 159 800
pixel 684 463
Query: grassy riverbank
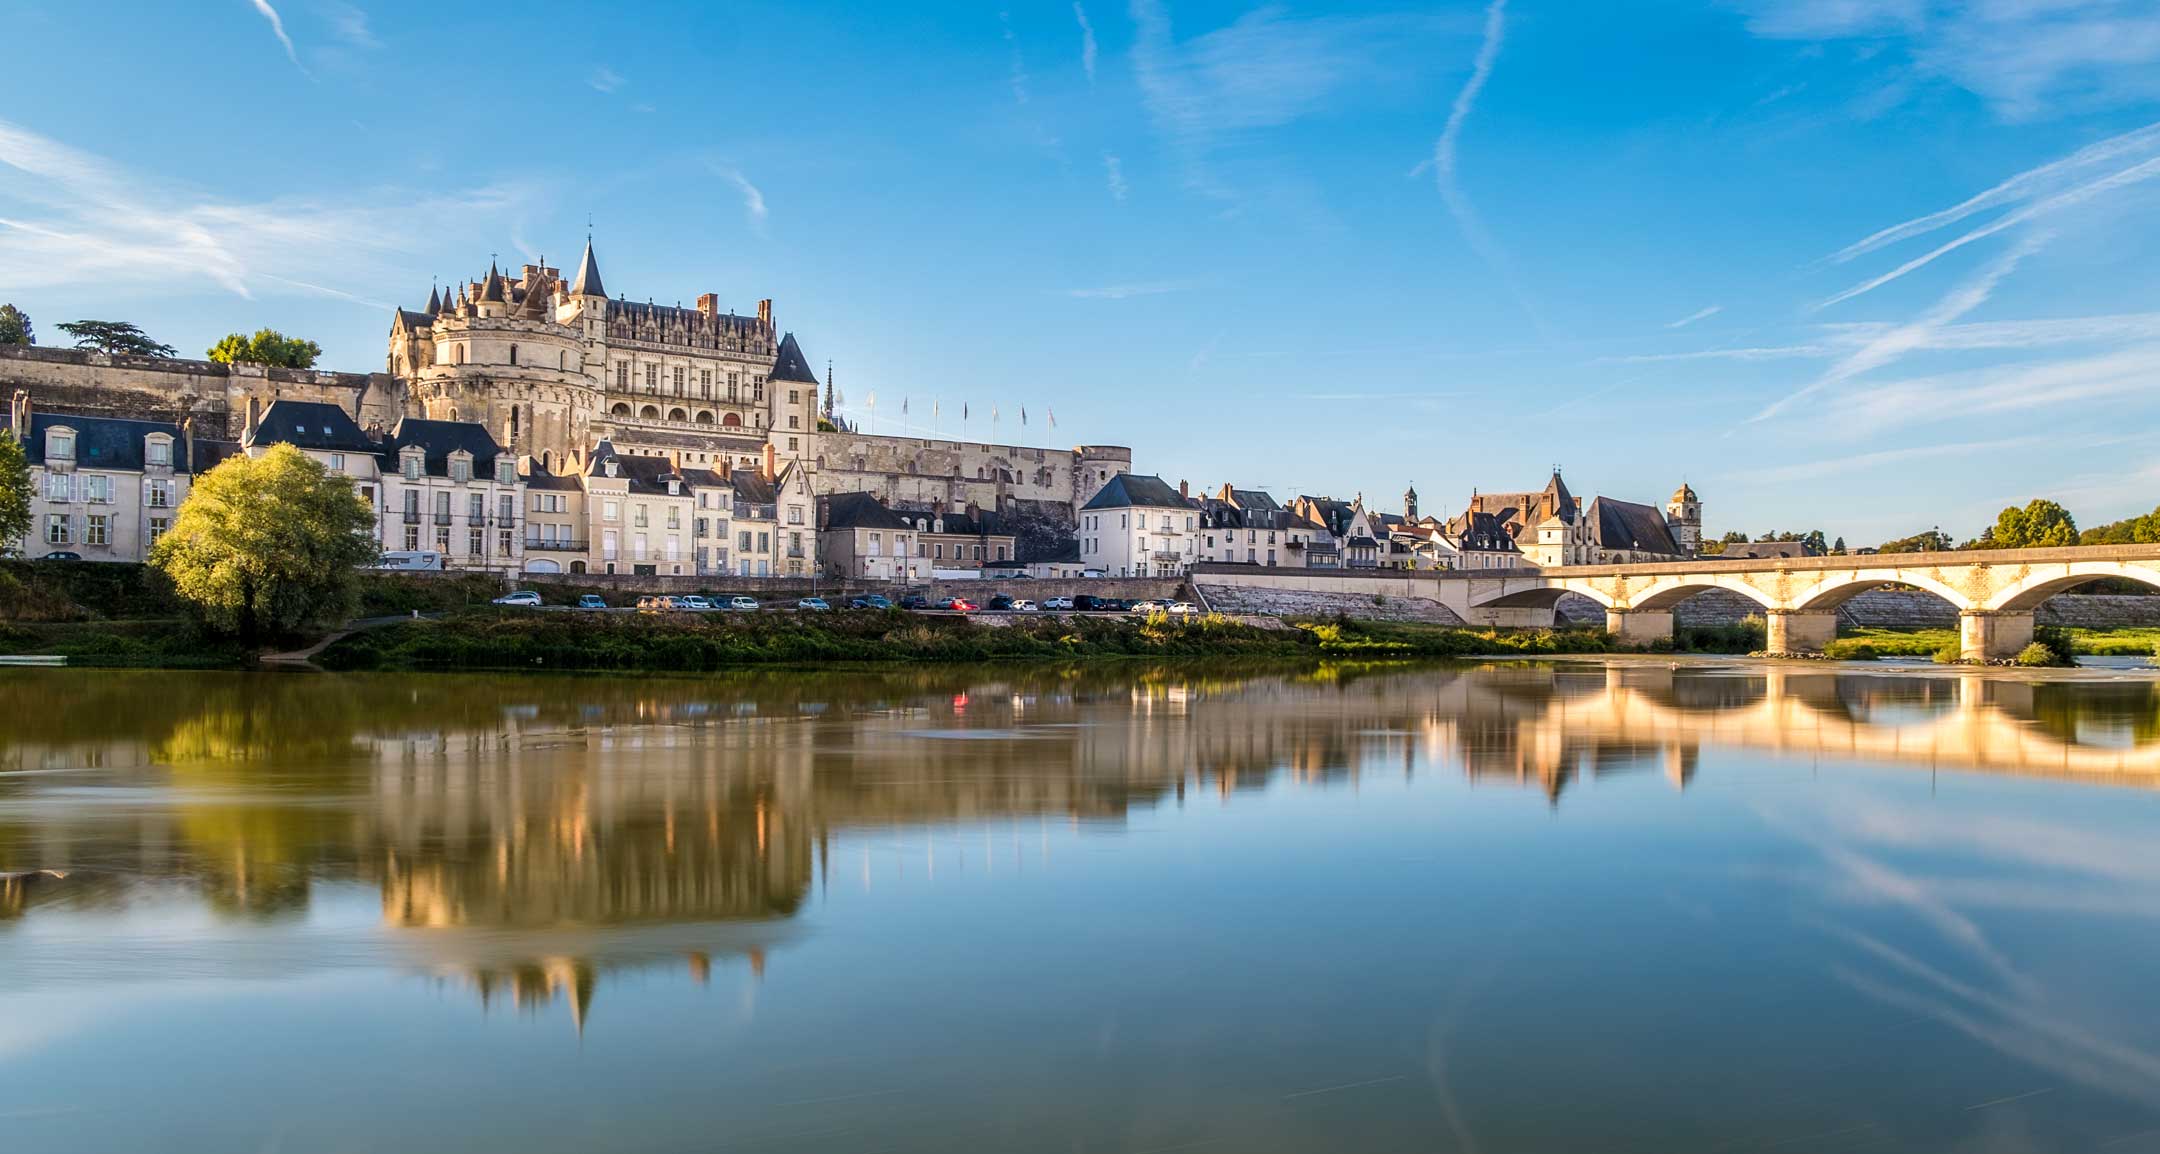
pixel 512 639
pixel 1864 642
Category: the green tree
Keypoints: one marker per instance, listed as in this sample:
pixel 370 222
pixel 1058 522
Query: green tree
pixel 2041 524
pixel 115 337
pixel 2143 530
pixel 266 347
pixel 14 490
pixel 1838 546
pixel 1930 541
pixel 267 546
pixel 15 327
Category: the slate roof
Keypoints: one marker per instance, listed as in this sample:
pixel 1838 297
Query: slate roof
pixel 1629 525
pixel 1485 533
pixel 790 365
pixel 310 425
pixel 588 275
pixel 1127 491
pixel 752 487
pixel 541 479
pixel 858 511
pixel 439 439
pixel 114 443
pixel 1765 549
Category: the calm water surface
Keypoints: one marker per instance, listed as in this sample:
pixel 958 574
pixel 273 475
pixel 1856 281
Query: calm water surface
pixel 1560 907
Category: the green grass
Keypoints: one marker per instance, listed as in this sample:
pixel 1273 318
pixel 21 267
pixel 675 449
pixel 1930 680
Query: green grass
pixel 1859 644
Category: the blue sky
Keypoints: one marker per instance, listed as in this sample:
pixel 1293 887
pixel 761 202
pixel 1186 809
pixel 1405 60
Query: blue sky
pixel 1867 265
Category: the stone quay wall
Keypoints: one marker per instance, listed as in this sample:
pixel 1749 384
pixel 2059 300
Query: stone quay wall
pixel 173 388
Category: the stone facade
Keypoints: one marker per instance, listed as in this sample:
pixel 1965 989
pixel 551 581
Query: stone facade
pixel 173 389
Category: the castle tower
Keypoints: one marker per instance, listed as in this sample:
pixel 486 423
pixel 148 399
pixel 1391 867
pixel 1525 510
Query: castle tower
pixel 791 390
pixel 1409 503
pixel 1683 516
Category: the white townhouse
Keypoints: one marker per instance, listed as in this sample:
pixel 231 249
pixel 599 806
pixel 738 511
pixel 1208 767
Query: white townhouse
pixel 103 488
pixel 447 486
pixel 325 433
pixel 1139 527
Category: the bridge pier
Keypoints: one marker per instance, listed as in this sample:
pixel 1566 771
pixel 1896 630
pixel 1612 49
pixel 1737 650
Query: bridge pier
pixel 1794 631
pixel 1639 626
pixel 1993 634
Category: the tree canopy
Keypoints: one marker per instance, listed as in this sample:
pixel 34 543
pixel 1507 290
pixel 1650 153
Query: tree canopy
pixel 267 546
pixel 2041 524
pixel 1928 541
pixel 266 347
pixel 15 327
pixel 115 337
pixel 14 490
pixel 2129 531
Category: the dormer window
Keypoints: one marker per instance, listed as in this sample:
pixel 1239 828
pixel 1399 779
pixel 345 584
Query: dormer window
pixel 460 468
pixel 613 466
pixel 505 471
pixel 157 450
pixel 411 463
pixel 674 487
pixel 60 444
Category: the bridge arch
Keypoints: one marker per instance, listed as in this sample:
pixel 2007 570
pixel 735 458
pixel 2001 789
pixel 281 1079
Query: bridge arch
pixel 2045 581
pixel 1834 590
pixel 1666 592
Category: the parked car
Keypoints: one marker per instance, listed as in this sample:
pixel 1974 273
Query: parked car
pixel 1148 607
pixel 525 597
pixel 1023 605
pixel 1087 603
pixel 961 605
pixel 742 604
pixel 915 601
pixel 812 604
pixel 695 603
pixel 1183 609
pixel 1000 601
pixel 592 601
pixel 870 601
pixel 1057 603
pixel 654 603
pixel 62 555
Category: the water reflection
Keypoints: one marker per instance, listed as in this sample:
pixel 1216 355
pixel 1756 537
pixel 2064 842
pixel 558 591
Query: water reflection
pixel 557 842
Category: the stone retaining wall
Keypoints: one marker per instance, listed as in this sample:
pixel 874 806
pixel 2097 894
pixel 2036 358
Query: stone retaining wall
pixel 1258 601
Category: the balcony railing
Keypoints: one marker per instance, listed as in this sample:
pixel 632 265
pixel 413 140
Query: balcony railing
pixel 412 517
pixel 556 546
pixel 442 518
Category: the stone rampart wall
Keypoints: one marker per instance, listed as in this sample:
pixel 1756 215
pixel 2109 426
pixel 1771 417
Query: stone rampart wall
pixel 170 388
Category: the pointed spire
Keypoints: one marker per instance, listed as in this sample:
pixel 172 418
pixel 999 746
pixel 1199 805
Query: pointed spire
pixel 434 301
pixel 588 275
pixel 493 289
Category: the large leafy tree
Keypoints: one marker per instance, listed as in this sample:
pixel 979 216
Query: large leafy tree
pixel 15 327
pixel 266 347
pixel 268 546
pixel 1929 541
pixel 14 490
pixel 115 337
pixel 2130 531
pixel 2041 524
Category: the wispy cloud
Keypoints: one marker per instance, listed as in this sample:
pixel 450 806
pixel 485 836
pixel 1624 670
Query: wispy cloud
pixel 2024 57
pixel 277 28
pixel 605 79
pixel 1118 292
pixel 1756 353
pixel 1087 41
pixel 1890 345
pixel 1017 68
pixel 1443 160
pixel 350 25
pixel 71 219
pixel 1114 172
pixel 2001 390
pixel 1699 315
pixel 752 197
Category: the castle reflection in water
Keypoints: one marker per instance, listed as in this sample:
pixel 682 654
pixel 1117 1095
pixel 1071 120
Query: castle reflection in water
pixel 528 834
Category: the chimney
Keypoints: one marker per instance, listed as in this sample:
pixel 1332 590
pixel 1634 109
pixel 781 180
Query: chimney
pixel 764 312
pixel 1184 489
pixel 254 418
pixel 709 304
pixel 19 414
pixel 772 462
pixel 675 461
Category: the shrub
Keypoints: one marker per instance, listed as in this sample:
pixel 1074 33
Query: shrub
pixel 2037 654
pixel 1851 649
pixel 1951 654
pixel 2056 640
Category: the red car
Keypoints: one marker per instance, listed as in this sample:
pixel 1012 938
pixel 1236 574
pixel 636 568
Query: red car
pixel 961 605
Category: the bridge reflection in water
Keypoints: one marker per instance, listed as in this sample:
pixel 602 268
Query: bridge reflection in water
pixel 527 836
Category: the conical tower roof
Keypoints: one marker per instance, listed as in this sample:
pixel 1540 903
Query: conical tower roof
pixel 588 275
pixel 493 289
pixel 434 301
pixel 790 365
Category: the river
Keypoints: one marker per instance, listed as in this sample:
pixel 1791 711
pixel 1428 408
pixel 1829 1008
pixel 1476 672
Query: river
pixel 1556 906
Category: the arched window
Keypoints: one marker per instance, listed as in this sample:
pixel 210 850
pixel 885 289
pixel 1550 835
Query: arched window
pixel 620 410
pixel 513 354
pixel 730 421
pixel 649 413
pixel 677 415
pixel 704 417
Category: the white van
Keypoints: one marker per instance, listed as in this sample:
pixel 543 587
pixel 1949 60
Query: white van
pixel 410 559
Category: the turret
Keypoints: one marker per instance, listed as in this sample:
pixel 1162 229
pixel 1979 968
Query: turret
pixel 1409 503
pixel 1683 517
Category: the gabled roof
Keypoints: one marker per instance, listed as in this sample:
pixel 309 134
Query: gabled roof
pixel 413 320
pixel 752 487
pixel 588 283
pixel 309 425
pixel 1128 491
pixel 858 511
pixel 438 440
pixel 1628 525
pixel 105 442
pixel 790 365
pixel 1485 533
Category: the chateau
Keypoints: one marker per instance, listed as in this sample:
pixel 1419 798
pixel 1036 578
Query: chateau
pixel 553 367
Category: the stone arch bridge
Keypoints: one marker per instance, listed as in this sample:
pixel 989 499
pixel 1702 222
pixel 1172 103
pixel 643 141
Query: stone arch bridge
pixel 1995 591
